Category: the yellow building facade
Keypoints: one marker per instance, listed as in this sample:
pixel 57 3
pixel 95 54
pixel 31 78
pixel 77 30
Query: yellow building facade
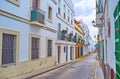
pixel 79 42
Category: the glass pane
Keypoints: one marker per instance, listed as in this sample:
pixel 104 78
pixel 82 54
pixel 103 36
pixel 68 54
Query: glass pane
pixel 35 48
pixel 49 47
pixel 8 48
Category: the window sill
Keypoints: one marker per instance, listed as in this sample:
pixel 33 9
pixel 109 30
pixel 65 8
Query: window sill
pixel 35 59
pixel 6 65
pixel 49 56
pixel 50 20
pixel 17 3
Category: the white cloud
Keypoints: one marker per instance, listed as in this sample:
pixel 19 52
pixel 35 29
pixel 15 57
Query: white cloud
pixel 85 3
pixel 87 19
pixel 93 32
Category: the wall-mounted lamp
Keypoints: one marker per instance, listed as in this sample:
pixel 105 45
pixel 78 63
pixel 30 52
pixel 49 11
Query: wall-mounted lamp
pixel 93 23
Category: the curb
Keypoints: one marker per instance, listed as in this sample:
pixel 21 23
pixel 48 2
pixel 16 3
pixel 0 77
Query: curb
pixel 33 74
pixel 56 67
pixel 36 73
pixel 94 77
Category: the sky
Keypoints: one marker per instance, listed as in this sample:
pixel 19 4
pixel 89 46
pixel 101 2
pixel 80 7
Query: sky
pixel 85 11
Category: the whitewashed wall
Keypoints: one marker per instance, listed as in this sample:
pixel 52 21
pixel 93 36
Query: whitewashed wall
pixel 25 29
pixel 111 55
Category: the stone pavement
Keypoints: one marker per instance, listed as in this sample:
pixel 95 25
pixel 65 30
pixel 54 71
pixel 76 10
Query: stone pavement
pixel 98 72
pixel 87 68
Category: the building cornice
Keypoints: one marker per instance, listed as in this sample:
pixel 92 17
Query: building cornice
pixel 18 18
pixel 65 42
pixel 13 16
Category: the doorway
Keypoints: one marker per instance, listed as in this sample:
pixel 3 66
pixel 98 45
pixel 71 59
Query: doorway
pixel 59 48
pixel 71 53
pixel 66 53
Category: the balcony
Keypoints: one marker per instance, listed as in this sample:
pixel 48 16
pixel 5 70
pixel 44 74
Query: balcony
pixel 63 35
pixel 37 17
pixel 99 20
pixel 99 15
pixel 79 29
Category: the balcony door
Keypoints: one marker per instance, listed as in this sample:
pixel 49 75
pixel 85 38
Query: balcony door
pixel 49 53
pixel 36 4
pixel 71 53
pixel 59 50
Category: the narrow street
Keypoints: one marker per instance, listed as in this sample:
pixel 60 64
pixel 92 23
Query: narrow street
pixel 60 39
pixel 82 69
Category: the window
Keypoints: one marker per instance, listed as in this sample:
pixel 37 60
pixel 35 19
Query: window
pixel 68 16
pixel 59 6
pixel 16 2
pixel 59 31
pixel 59 26
pixel 49 52
pixel 64 49
pixel 50 13
pixel 9 45
pixel 67 29
pixel 71 22
pixel 35 48
pixel 64 15
pixel 35 4
pixel 8 48
pixel 71 19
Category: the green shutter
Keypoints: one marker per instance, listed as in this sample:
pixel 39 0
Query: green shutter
pixel 115 12
pixel 117 39
pixel 119 7
pixel 34 14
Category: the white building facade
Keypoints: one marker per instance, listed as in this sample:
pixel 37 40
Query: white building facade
pixel 108 38
pixel 65 45
pixel 27 36
pixel 86 38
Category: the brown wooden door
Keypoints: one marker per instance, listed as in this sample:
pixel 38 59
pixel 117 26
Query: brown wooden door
pixel 59 54
pixel 76 52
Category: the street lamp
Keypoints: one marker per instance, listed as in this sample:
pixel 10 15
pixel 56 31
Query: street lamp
pixel 93 22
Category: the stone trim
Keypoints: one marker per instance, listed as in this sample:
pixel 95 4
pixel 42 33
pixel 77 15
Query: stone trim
pixel 16 2
pixel 39 53
pixel 17 44
pixel 15 17
pixel 49 38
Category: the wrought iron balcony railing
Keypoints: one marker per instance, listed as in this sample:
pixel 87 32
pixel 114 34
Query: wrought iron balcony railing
pixel 62 35
pixel 38 15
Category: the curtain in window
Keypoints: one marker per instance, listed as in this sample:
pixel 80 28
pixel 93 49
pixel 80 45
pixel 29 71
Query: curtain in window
pixel 35 48
pixel 49 47
pixel 8 49
pixel 35 4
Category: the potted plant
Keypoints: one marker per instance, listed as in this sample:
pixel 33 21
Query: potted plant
pixel 71 34
pixel 64 31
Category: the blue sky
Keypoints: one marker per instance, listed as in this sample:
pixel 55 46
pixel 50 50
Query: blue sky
pixel 85 11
